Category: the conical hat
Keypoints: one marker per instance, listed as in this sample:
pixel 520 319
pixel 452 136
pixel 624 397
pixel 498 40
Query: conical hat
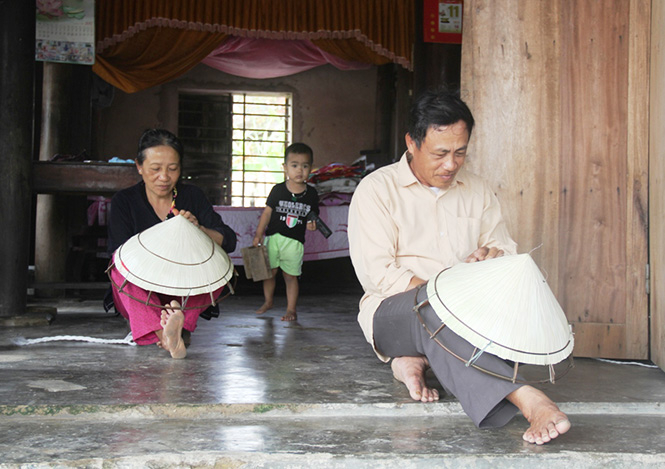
pixel 504 307
pixel 174 257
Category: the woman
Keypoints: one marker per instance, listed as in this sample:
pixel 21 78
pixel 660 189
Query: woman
pixel 159 196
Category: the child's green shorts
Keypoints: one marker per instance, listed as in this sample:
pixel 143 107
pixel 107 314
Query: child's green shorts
pixel 285 253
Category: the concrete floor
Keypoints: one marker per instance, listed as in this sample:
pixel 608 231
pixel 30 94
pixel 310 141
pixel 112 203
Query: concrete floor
pixel 257 392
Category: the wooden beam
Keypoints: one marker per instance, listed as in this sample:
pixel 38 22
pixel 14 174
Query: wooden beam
pixel 82 178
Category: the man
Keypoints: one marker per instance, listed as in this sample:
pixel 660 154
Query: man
pixel 407 222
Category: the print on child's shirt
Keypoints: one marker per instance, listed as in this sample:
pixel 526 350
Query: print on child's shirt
pixel 292 213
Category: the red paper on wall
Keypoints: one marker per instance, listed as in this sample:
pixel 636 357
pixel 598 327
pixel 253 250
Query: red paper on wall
pixel 442 21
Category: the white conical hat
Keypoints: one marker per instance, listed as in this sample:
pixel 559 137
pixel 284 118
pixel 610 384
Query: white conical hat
pixel 174 257
pixel 503 306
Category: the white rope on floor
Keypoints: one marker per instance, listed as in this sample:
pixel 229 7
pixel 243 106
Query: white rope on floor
pixel 126 341
pixel 618 362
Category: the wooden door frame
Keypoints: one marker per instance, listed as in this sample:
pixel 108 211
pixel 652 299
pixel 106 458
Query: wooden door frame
pixel 656 144
pixel 637 329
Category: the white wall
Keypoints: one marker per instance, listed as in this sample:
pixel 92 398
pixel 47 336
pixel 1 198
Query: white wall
pixel 334 111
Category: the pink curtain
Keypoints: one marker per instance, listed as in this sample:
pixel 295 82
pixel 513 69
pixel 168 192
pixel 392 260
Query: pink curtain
pixel 271 58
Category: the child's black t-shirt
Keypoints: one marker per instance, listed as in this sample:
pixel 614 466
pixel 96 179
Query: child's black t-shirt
pixel 289 211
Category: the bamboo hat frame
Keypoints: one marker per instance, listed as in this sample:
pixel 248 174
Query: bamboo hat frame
pixel 173 258
pixel 504 307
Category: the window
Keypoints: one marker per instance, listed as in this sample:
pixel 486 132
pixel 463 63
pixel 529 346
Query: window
pixel 234 144
pixel 204 127
pixel 261 133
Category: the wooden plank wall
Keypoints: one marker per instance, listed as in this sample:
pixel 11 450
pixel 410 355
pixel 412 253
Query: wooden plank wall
pixel 509 79
pixel 550 84
pixel 657 183
pixel 637 246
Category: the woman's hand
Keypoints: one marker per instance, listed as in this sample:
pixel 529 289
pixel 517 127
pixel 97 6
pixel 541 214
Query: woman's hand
pixel 256 242
pixel 311 225
pixel 188 215
pixel 216 236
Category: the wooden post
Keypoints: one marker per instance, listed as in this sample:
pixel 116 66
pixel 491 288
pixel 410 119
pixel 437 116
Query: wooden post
pixel 17 51
pixel 559 91
pixel 66 116
pixel 403 100
pixel 436 65
pixel 385 99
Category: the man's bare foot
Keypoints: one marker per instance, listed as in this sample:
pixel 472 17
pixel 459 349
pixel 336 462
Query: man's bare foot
pixel 172 321
pixel 547 421
pixel 411 372
pixel 264 307
pixel 290 316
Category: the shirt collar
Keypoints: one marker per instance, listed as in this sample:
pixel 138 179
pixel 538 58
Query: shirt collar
pixel 404 174
pixel 406 177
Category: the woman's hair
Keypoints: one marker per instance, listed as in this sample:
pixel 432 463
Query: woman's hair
pixel 156 137
pixel 435 108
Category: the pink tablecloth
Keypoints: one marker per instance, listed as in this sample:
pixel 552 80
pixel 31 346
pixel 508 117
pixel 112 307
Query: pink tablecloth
pixel 244 221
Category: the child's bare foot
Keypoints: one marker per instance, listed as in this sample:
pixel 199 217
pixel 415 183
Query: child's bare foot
pixel 547 421
pixel 411 372
pixel 290 316
pixel 265 307
pixel 172 321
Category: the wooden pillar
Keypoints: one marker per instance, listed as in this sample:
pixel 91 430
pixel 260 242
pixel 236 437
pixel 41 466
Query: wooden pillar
pixel 393 99
pixel 17 51
pixel 559 91
pixel 385 102
pixel 435 65
pixel 66 117
pixel 403 100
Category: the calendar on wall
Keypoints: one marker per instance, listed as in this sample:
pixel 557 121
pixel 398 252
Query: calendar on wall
pixel 442 21
pixel 65 31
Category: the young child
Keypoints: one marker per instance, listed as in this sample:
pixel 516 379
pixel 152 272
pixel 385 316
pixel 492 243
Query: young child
pixel 285 217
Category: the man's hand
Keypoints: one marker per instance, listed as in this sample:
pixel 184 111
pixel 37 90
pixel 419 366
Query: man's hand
pixel 483 253
pixel 415 281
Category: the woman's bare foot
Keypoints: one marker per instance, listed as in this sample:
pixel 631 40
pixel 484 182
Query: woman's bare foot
pixel 265 307
pixel 172 321
pixel 411 372
pixel 547 421
pixel 290 316
pixel 187 337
